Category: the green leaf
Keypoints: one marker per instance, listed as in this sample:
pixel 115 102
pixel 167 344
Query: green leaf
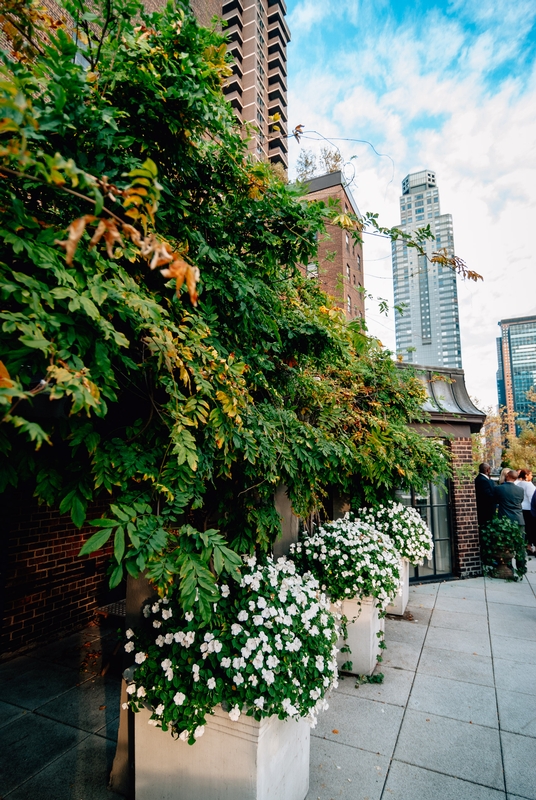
pixel 116 576
pixel 119 544
pixel 95 542
pixel 103 523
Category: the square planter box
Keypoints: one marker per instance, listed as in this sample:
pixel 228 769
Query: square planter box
pixel 243 760
pixel 363 627
pixel 398 606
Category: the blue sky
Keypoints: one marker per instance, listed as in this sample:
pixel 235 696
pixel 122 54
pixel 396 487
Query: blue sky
pixel 447 86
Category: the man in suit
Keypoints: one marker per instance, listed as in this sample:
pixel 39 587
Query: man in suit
pixel 509 499
pixel 485 496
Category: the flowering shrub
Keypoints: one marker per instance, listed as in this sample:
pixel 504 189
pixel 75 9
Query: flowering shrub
pixel 351 559
pixel 410 533
pixel 269 649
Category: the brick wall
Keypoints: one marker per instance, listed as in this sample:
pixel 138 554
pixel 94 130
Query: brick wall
pixel 47 588
pixel 463 501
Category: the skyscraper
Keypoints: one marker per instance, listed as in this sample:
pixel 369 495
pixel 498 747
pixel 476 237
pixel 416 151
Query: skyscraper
pixel 428 329
pixel 257 90
pixel 516 375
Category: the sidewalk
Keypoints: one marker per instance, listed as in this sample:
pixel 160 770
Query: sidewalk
pixel 455 718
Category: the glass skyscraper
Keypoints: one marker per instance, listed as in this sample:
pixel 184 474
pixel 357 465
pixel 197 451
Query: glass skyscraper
pixel 428 328
pixel 516 351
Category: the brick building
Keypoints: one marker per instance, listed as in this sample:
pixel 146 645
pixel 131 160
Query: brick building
pixel 450 510
pixel 339 267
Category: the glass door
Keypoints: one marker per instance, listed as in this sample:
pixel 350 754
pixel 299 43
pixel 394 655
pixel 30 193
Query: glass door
pixel 433 506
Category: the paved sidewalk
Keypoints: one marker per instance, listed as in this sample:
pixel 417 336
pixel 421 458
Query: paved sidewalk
pixel 455 718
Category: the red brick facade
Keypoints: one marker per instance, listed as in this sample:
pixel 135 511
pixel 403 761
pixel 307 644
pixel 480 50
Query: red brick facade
pixel 463 503
pixel 46 587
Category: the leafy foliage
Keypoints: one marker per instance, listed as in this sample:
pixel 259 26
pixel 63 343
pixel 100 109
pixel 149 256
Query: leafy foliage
pixel 503 535
pixel 187 416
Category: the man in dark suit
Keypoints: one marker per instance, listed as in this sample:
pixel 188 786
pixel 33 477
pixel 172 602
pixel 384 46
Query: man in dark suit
pixel 485 496
pixel 509 498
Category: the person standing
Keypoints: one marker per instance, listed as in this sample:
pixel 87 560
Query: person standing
pixel 486 502
pixel 510 498
pixel 525 483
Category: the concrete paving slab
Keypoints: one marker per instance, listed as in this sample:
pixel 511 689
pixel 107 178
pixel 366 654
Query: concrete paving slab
pixel 519 764
pixel 424 588
pixel 517 712
pixel 462 590
pixel 8 713
pixel 37 686
pixel 455 699
pixel 398 629
pixel 395 688
pixel 92 706
pixel 521 598
pixel 80 773
pixel 446 664
pixel 513 627
pixel 401 654
pixel 421 600
pixel 345 773
pixel 360 723
pixel 77 652
pixel 523 650
pixel 461 605
pixel 459 641
pixel 15 668
pixel 515 676
pixel 30 744
pixel 458 622
pixel 459 749
pixel 406 781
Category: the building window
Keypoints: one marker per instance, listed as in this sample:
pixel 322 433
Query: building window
pixel 348 271
pixel 347 241
pixel 349 305
pixel 354 278
pixel 358 261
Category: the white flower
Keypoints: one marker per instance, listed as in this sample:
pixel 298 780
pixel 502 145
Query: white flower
pixel 179 698
pixel 242 616
pixel 199 731
pixel 146 611
pixel 261 602
pixel 129 647
pixel 156 608
pixel 141 691
pixel 124 706
pixel 225 590
pixel 319 663
pixel 167 613
pixel 225 662
pixel 236 629
pixel 238 679
pixel 258 619
pixel 259 702
pixel 139 658
pixel 129 634
pixel 234 714
pixel 166 664
pixel 184 736
pixel 189 616
pixel 156 623
pixel 268 676
pixel 253 680
pixel 159 641
pixel 211 683
pixel 159 710
pixel 258 660
pixel 272 662
pixel 131 688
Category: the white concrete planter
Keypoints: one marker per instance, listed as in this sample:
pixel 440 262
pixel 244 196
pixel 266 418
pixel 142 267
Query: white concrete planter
pixel 363 626
pixel 244 760
pixel 398 606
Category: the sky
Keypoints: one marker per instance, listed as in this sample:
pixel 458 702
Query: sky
pixel 444 86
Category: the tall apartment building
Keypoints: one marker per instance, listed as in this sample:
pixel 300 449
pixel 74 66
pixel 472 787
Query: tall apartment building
pixel 516 375
pixel 339 266
pixel 257 90
pixel 428 330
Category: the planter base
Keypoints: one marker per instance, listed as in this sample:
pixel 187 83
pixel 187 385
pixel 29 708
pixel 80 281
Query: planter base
pixel 398 606
pixel 362 638
pixel 244 760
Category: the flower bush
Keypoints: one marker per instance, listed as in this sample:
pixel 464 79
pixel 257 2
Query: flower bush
pixel 410 533
pixel 268 649
pixel 500 536
pixel 350 558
